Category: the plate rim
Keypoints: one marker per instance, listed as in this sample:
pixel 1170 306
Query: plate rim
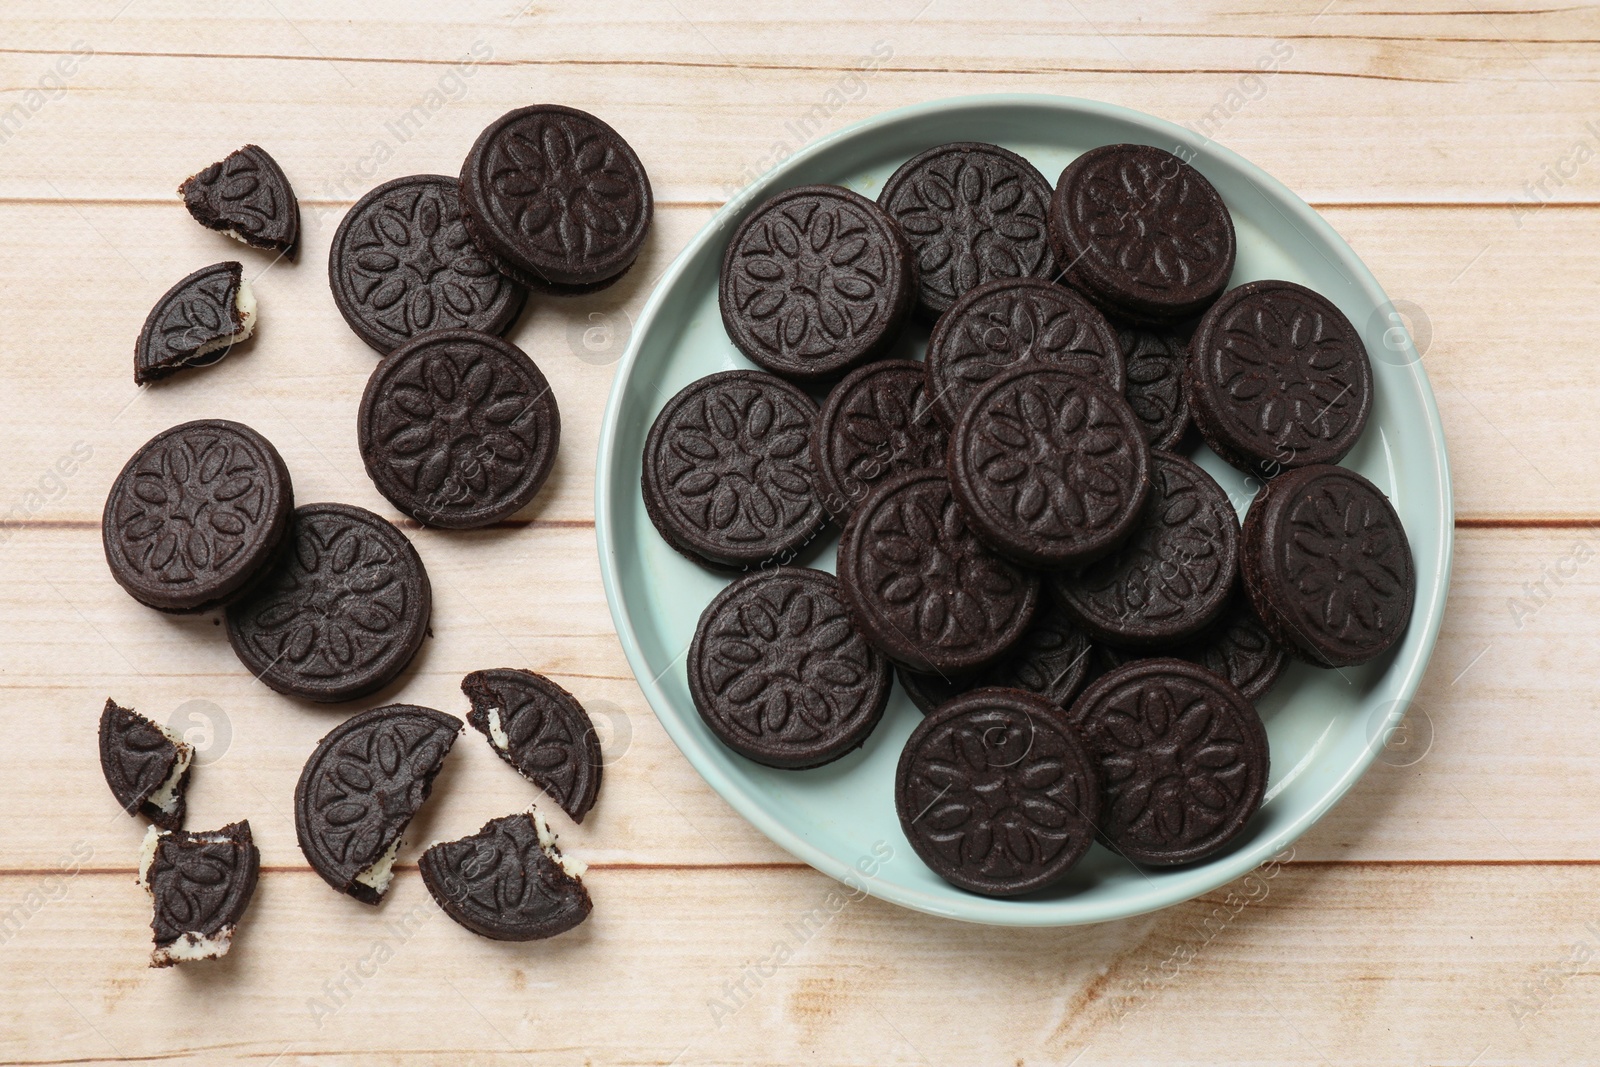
pixel 982 910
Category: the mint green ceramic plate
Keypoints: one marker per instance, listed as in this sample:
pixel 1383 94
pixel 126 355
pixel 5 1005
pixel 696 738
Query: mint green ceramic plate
pixel 1325 727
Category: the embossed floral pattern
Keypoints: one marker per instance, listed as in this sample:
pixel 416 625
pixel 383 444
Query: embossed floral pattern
pixel 1154 389
pixel 247 193
pixel 1239 650
pixel 550 740
pixel 200 883
pixel 877 423
pixel 502 884
pixel 198 311
pixel 1344 558
pixel 1153 220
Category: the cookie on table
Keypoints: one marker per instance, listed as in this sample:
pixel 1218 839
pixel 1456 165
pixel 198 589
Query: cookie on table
pixel 200 885
pixel 195 323
pixel 145 764
pixel 815 281
pixel 541 730
pixel 247 197
pixel 1327 566
pixel 878 421
pixel 508 881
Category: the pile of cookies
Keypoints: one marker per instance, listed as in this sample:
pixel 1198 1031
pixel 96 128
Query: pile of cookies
pixel 1068 597
pixel 329 602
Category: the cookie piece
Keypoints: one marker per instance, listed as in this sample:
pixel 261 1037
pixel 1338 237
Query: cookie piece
pixel 1155 358
pixel 876 422
pixel 556 198
pixel 458 429
pixel 1010 323
pixel 145 764
pixel 922 587
pixel 540 729
pixel 972 212
pixel 1327 566
pixel 342 614
pixel 1182 755
pixel 816 280
pixel 1049 468
pixel 1278 378
pixel 200 885
pixel 195 323
pixel 1051 660
pixel 247 197
pixel 1237 647
pixel 727 470
pixel 196 515
pixel 997 794
pixel 402 264
pixel 508 881
pixel 362 786
pixel 1172 577
pixel 1141 232
pixel 779 674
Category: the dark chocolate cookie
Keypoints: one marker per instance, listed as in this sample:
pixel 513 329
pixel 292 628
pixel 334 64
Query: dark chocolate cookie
pixel 1327 566
pixel 402 264
pixel 1049 468
pixel 780 675
pixel 922 587
pixel 997 794
pixel 246 197
pixel 1172 578
pixel 541 730
pixel 508 881
pixel 1183 759
pixel 1142 232
pixel 1015 322
pixel 727 470
pixel 1278 378
pixel 342 614
pixel 815 281
pixel 875 423
pixel 195 323
pixel 362 786
pixel 146 766
pixel 198 513
pixel 458 429
pixel 1155 358
pixel 1238 647
pixel 972 212
pixel 1051 660
pixel 200 885
pixel 556 198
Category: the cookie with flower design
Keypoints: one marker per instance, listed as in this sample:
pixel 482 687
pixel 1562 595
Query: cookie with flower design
pixel 509 881
pixel 541 730
pixel 1049 468
pixel 247 197
pixel 1278 378
pixel 1143 233
pixel 1238 647
pixel 876 422
pixel 1327 566
pixel 458 429
pixel 727 476
pixel 921 585
pixel 997 793
pixel 402 264
pixel 1172 577
pixel 1156 358
pixel 781 676
pixel 973 212
pixel 1182 755
pixel 1010 323
pixel 200 885
pixel 816 280
pixel 556 198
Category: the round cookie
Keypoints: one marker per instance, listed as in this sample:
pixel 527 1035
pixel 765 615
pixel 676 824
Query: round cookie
pixel 727 470
pixel 196 515
pixel 1049 468
pixel 1183 759
pixel 1237 647
pixel 815 281
pixel 556 198
pixel 402 264
pixel 972 212
pixel 1172 577
pixel 1142 232
pixel 921 586
pixel 1155 358
pixel 997 794
pixel 541 730
pixel 458 429
pixel 779 674
pixel 1015 322
pixel 1278 378
pixel 342 614
pixel 1327 566
pixel 876 422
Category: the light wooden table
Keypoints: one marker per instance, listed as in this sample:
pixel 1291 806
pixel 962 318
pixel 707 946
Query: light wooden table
pixel 1446 912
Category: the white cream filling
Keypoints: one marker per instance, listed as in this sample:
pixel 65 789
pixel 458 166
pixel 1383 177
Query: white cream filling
pixel 497 732
pixel 235 234
pixel 166 796
pixel 245 301
pixel 147 854
pixel 547 841
pixel 194 947
pixel 381 873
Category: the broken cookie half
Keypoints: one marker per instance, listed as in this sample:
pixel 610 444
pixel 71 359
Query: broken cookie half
pixel 508 881
pixel 195 323
pixel 246 197
pixel 541 730
pixel 200 885
pixel 145 764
